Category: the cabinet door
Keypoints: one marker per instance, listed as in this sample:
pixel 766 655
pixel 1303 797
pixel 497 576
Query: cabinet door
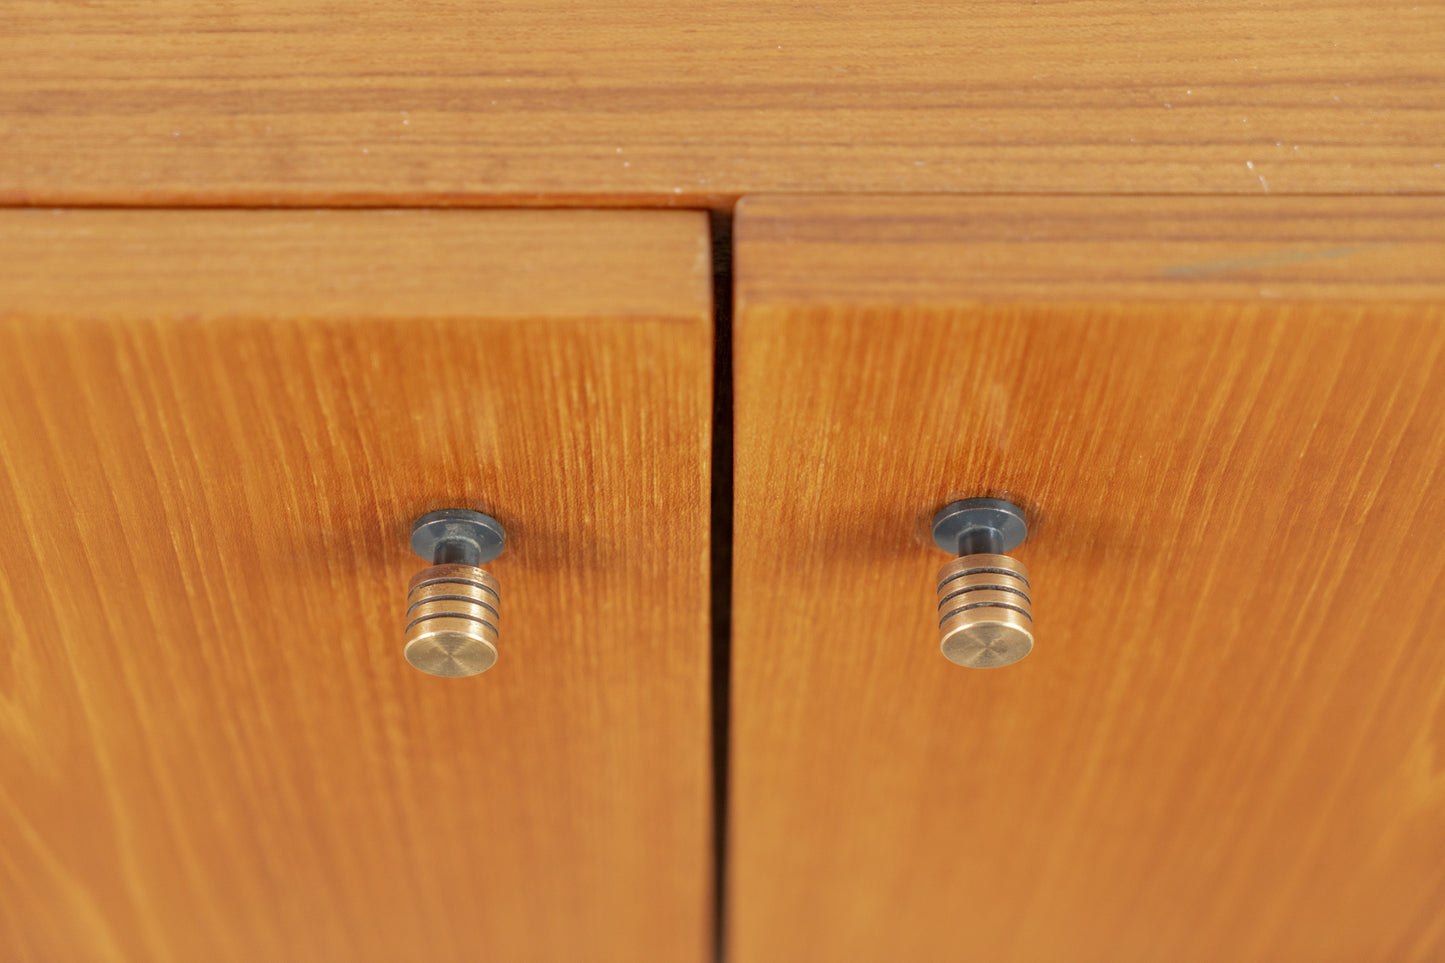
pixel 216 429
pixel 1225 420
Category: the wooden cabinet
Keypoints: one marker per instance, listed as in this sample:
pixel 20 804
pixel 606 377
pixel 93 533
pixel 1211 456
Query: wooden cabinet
pixel 1225 419
pixel 282 311
pixel 216 428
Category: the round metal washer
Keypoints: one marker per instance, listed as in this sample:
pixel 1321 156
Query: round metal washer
pixel 458 524
pixel 975 514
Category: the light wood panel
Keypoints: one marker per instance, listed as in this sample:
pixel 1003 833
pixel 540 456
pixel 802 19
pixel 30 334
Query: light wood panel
pixel 651 102
pixel 1226 422
pixel 215 430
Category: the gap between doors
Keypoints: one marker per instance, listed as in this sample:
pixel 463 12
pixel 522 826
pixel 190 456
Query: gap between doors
pixel 720 567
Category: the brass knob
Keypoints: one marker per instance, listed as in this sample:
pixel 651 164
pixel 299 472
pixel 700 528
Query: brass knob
pixel 985 619
pixel 452 608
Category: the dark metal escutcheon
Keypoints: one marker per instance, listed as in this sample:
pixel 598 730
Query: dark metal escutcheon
pixel 979 526
pixel 457 536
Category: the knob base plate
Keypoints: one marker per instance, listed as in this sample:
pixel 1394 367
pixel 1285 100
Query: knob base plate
pixel 465 536
pixel 1000 524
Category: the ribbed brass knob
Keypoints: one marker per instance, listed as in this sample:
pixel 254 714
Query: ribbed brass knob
pixel 985 617
pixel 453 608
pixel 452 613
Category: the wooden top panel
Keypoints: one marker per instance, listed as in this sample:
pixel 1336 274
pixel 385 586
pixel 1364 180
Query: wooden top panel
pixel 1226 743
pixel 210 745
pixel 645 102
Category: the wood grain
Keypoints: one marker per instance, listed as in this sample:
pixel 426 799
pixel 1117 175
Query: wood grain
pixel 645 102
pixel 1229 741
pixel 215 430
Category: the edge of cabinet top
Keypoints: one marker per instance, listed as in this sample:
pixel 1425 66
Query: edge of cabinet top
pixel 643 103
pixel 911 250
pixel 333 264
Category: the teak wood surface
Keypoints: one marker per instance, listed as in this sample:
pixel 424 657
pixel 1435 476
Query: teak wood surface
pixel 652 102
pixel 215 431
pixel 1225 420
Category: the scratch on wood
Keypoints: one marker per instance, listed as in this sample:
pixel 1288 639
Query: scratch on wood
pixel 1272 259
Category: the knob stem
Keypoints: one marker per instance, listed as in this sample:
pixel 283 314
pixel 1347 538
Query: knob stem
pixel 456 551
pixel 980 541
